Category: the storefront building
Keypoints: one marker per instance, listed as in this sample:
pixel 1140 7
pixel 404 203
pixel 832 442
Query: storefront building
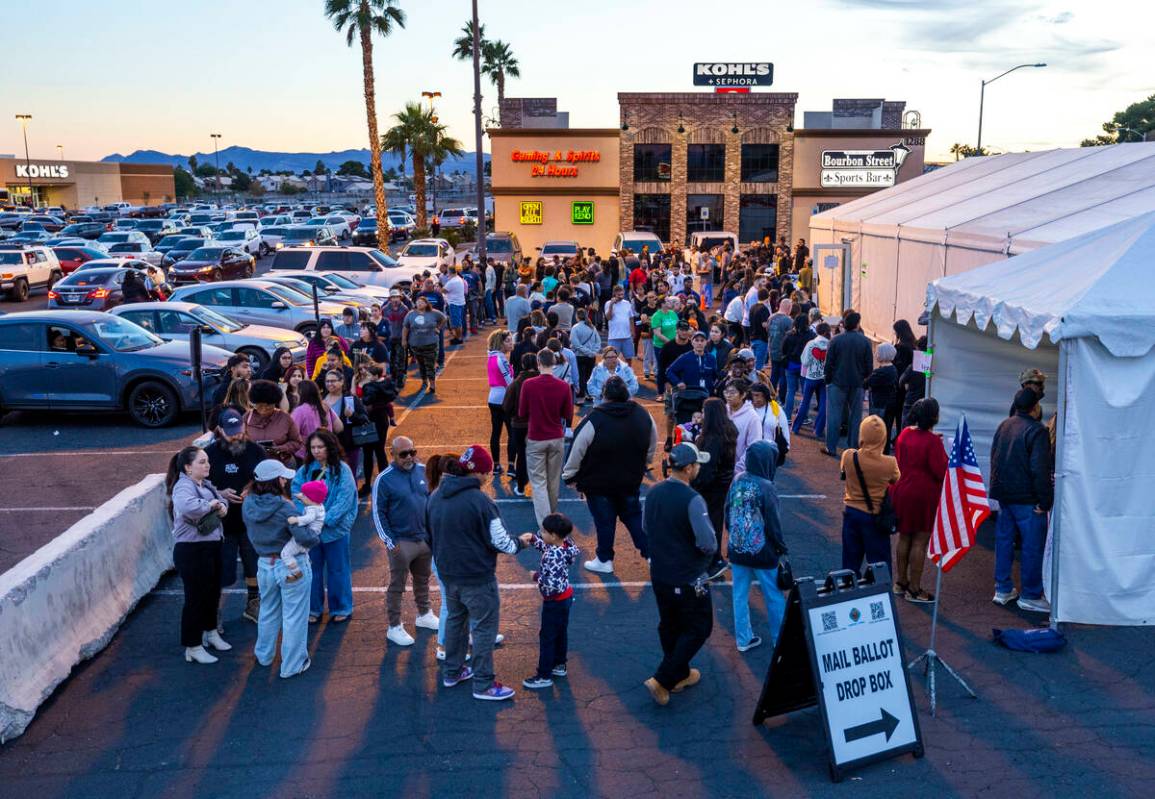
pixel 556 184
pixel 77 184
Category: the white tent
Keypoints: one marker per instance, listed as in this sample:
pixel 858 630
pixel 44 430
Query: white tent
pixel 1084 312
pixel 971 213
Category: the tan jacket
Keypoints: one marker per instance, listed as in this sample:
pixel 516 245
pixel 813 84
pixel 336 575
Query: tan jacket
pixel 878 470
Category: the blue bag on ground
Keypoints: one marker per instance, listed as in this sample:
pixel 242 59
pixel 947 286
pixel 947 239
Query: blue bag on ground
pixel 1039 639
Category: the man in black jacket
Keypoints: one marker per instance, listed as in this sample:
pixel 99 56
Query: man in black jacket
pixel 682 543
pixel 849 360
pixel 1021 482
pixel 612 449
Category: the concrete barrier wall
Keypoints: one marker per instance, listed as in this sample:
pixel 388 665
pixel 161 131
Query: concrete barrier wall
pixel 63 603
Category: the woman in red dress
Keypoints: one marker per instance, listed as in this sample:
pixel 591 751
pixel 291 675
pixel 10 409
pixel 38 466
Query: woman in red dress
pixel 922 462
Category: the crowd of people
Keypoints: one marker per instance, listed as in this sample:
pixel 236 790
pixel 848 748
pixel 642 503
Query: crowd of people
pixel 743 363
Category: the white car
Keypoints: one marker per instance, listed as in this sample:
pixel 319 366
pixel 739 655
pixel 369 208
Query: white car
pixel 123 237
pixel 28 268
pixel 335 284
pixel 338 224
pixel 280 220
pixel 365 265
pixel 244 237
pixel 252 217
pixel 453 217
pixel 565 250
pixel 422 254
pixel 634 240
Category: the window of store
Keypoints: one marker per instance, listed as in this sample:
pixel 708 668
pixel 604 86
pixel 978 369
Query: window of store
pixel 705 163
pixel 704 212
pixel 820 207
pixel 759 163
pixel 757 217
pixel 652 212
pixel 652 162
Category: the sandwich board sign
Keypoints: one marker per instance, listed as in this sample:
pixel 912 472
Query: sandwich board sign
pixel 841 648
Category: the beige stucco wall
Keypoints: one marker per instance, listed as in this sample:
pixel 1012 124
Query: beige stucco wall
pixel 97 183
pixel 555 223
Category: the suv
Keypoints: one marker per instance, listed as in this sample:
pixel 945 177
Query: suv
pixel 454 217
pixel 26 269
pixel 88 360
pixel 503 248
pixel 566 250
pixel 364 265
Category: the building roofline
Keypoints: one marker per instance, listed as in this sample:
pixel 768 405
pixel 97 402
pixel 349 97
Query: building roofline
pixel 576 132
pixel 835 132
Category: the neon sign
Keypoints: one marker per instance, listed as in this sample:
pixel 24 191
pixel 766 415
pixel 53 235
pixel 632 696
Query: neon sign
pixel 555 164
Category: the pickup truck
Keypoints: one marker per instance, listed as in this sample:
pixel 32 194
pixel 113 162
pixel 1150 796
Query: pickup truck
pixel 26 269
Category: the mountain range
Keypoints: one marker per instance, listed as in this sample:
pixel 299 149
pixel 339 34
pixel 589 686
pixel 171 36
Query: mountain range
pixel 246 157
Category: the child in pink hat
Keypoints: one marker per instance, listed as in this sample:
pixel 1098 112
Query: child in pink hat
pixel 313 495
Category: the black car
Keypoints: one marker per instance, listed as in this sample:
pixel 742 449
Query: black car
pixel 155 229
pixel 181 250
pixel 84 230
pixel 170 241
pixel 366 233
pixel 211 264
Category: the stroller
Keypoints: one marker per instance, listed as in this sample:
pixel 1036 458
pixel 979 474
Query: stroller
pixel 683 405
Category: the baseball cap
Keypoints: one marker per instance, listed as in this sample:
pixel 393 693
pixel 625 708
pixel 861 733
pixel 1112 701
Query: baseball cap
pixel 231 422
pixel 394 292
pixel 698 334
pixel 271 469
pixel 476 460
pixel 683 325
pixel 685 454
pixel 1032 375
pixel 746 354
pixel 316 490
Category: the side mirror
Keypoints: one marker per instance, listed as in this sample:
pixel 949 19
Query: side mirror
pixel 87 349
pixel 331 289
pixel 278 305
pixel 208 330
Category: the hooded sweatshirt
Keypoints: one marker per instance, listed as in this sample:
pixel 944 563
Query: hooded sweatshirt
pixel 466 531
pixel 749 425
pixel 279 429
pixel 752 511
pixel 877 469
pixel 266 521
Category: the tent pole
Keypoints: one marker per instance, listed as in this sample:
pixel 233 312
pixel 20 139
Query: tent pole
pixel 927 392
pixel 1060 449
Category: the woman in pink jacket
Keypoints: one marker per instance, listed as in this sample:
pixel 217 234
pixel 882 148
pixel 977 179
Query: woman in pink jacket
pixel 500 375
pixel 745 418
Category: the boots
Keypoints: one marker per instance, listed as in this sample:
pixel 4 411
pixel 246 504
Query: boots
pixel 213 639
pixel 198 654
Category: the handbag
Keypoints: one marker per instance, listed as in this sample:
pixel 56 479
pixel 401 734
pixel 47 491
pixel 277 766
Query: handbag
pixel 885 521
pixel 210 522
pixel 365 433
pixel 779 437
pixel 785 573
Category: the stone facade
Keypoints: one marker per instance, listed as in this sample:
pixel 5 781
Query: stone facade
pixel 760 118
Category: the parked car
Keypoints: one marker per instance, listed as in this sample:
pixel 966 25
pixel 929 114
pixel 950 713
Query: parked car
pixel 246 238
pixel 366 233
pixel 120 209
pixel 196 231
pixel 337 225
pixel 86 360
pixel 275 220
pixel 273 237
pixel 363 264
pixel 563 249
pixel 211 264
pixel 305 289
pixel 175 321
pixel 260 302
pixel 453 217
pixel 71 258
pixel 84 230
pixel 334 284
pixel 94 288
pixel 401 225
pixel 426 254
pixel 125 224
pixel 123 237
pixel 53 224
pixel 634 241
pixel 30 237
pixel 168 242
pixel 156 229
pixel 308 236
pixel 135 251
pixel 709 239
pixel 26 269
pixel 182 249
pixel 503 248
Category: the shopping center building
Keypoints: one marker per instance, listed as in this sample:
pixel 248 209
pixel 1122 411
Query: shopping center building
pixel 78 184
pixel 679 163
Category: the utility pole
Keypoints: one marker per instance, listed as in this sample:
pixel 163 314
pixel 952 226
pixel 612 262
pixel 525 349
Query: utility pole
pixel 481 258
pixel 217 158
pixel 982 97
pixel 27 160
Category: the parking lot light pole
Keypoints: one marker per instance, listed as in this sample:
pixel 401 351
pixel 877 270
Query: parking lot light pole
pixel 27 160
pixel 60 151
pixel 982 97
pixel 217 158
pixel 1143 136
pixel 480 163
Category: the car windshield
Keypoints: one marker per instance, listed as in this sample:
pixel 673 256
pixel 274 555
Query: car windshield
pixel 205 254
pixel 218 320
pixel 169 241
pixel 710 242
pixel 369 224
pixel 232 235
pixel 421 250
pixel 122 335
pixel 559 249
pixel 635 245
pixel 273 231
pixel 190 244
pixel 499 245
pixel 300 286
pixel 89 277
pixel 288 295
pixel 113 237
pixel 383 259
pixel 342 281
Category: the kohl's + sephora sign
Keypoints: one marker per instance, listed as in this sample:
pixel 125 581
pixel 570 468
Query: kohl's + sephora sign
pixel 724 73
pixel 56 171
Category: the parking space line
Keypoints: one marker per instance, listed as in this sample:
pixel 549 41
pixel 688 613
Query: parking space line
pixel 43 510
pixel 166 453
pixel 433 587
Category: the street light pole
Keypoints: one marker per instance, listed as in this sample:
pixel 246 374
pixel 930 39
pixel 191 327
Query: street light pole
pixel 217 158
pixel 433 118
pixel 1132 130
pixel 27 160
pixel 480 163
pixel 982 97
pixel 60 150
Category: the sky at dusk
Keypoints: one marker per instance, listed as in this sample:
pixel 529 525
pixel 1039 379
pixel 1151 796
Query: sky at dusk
pixel 121 75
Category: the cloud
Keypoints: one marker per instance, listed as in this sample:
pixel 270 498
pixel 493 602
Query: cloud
pixel 1062 18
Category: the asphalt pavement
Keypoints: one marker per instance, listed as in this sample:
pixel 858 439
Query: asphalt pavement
pixel 370 718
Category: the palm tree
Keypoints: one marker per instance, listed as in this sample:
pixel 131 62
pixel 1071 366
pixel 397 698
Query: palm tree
pixel 498 61
pixel 957 150
pixel 360 19
pixel 417 137
pixel 463 46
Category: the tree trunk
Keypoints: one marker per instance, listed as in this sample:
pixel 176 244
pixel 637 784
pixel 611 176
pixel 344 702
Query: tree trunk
pixel 500 93
pixel 374 138
pixel 419 189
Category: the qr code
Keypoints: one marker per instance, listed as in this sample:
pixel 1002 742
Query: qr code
pixel 876 611
pixel 829 621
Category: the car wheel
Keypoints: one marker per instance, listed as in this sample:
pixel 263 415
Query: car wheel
pixel 218 275
pixel 152 404
pixel 308 330
pixel 19 291
pixel 52 278
pixel 263 250
pixel 248 270
pixel 258 358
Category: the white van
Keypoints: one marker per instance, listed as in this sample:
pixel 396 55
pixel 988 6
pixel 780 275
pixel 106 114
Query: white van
pixel 634 240
pixel 709 239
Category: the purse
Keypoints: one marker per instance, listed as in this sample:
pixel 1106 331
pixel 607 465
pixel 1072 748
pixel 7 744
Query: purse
pixel 779 437
pixel 785 573
pixel 365 433
pixel 885 521
pixel 210 522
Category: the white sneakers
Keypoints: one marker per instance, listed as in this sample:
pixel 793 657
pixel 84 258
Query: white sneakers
pixel 599 566
pixel 197 654
pixel 1040 605
pixel 428 621
pixel 397 635
pixel 1005 597
pixel 213 639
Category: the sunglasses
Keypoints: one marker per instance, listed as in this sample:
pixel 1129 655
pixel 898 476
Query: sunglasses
pixel 406 453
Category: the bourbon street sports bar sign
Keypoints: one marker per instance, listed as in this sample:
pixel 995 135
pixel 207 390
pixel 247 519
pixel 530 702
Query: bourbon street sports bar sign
pixel 862 168
pixel 556 163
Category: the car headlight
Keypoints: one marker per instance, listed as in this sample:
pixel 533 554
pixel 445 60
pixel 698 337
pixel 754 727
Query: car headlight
pixel 205 269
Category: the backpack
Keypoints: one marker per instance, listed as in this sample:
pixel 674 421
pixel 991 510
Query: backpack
pixel 745 524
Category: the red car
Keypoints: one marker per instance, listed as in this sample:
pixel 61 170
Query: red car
pixel 72 257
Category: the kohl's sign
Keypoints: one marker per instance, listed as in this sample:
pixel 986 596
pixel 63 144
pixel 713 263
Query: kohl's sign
pixel 712 73
pixel 56 171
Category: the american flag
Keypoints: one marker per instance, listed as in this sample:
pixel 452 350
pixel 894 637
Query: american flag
pixel 963 505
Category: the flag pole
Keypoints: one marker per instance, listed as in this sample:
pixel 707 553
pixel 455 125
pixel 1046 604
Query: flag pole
pixel 930 658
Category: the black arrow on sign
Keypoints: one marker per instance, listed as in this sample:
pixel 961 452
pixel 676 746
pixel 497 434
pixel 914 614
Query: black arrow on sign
pixel 886 723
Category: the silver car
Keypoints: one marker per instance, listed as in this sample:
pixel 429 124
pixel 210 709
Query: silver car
pixel 88 360
pixel 325 290
pixel 334 283
pixel 259 302
pixel 174 321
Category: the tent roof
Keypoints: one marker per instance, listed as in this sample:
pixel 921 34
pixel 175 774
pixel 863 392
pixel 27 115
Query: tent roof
pixel 1100 284
pixel 1009 203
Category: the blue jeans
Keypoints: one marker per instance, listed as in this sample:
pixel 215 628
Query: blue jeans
pixel 778 377
pixel 553 639
pixel 860 539
pixel 284 610
pixel 761 350
pixel 490 308
pixel 331 567
pixel 443 615
pixel 775 601
pixel 793 381
pixel 649 356
pixel 1033 529
pixel 812 388
pixel 842 404
pixel 606 509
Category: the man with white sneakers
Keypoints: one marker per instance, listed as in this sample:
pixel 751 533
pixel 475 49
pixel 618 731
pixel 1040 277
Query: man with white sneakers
pixel 399 498
pixel 612 449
